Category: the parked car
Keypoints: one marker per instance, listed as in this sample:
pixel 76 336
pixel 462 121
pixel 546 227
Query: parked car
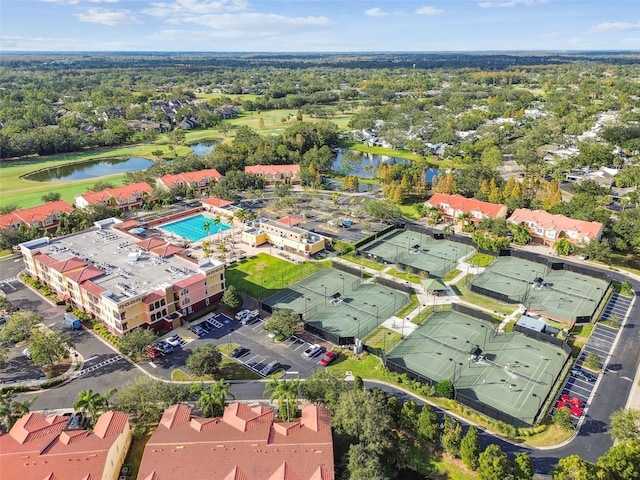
pixel 198 330
pixel 241 314
pixel 312 351
pixel 205 326
pixel 239 352
pixel 154 352
pixel 164 346
pixel 579 373
pixel 174 341
pixel 75 421
pixel 269 368
pixel 328 358
pixel 251 317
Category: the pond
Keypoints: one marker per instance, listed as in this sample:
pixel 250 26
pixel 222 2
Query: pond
pixel 365 165
pixel 202 149
pixel 90 169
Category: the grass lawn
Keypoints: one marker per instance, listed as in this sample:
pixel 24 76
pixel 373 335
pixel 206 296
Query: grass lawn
pixel 136 449
pixel 409 277
pixel 410 307
pixel 229 370
pixel 263 275
pixel 580 334
pixel 628 261
pixel 369 366
pixel 454 469
pixel 451 275
pixel 383 338
pixel 409 212
pixel 364 262
pixel 461 290
pixel 427 311
pixel 481 259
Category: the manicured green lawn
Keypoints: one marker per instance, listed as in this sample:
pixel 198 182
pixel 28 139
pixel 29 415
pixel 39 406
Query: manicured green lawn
pixel 364 262
pixel 229 370
pixel 486 302
pixel 481 259
pixel 409 212
pixel 383 338
pixel 410 307
pixel 409 277
pixel 451 275
pixel 263 275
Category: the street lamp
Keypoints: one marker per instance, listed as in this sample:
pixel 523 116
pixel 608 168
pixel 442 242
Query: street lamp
pixel 357 320
pixel 325 294
pixel 342 277
pixel 384 348
pixel 394 302
pixel 306 306
pixel 377 310
pixel 407 319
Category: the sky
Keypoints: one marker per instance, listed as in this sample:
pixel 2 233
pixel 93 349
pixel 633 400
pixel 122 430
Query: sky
pixel 318 25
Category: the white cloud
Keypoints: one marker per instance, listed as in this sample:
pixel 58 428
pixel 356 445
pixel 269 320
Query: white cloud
pixel 195 7
pixel 255 23
pixel 428 10
pixel 75 2
pixel 614 27
pixel 510 3
pixel 375 12
pixel 107 17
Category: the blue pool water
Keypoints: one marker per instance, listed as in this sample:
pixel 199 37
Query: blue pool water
pixel 192 228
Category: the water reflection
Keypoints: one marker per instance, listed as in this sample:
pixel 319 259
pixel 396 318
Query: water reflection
pixel 90 169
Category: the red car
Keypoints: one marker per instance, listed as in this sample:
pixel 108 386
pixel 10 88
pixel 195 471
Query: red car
pixel 328 358
pixel 154 352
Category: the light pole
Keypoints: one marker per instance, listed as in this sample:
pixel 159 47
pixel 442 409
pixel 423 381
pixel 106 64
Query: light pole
pixel 306 306
pixel 420 307
pixel 384 348
pixel 394 302
pixel 342 277
pixel 377 310
pixel 403 325
pixel 357 320
pixel 325 295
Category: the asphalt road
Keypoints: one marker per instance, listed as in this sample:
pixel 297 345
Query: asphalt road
pixel 591 441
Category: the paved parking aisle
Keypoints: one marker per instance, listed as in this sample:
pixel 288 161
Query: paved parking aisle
pixel 582 382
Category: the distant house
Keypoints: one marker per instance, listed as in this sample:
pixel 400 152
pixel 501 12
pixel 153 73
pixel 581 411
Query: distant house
pixel 199 181
pixel 244 444
pixel 45 216
pixel 275 173
pixel 39 447
pixel 454 206
pixel 547 228
pixel 188 123
pixel 124 198
pixel 148 125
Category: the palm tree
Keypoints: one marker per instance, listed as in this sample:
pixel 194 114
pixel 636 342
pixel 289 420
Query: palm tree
pixel 286 393
pixel 207 228
pixel 90 402
pixel 11 410
pixel 211 402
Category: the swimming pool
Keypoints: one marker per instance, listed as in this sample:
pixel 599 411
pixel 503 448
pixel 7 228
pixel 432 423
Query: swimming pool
pixel 192 228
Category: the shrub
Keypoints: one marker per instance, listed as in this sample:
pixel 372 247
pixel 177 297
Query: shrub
pixel 444 389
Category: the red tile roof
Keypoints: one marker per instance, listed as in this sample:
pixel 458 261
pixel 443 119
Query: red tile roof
pixel 35 214
pixel 558 223
pixel 272 169
pixel 185 282
pixel 69 264
pixel 92 288
pixel 244 444
pixel 166 250
pixel 87 273
pixel 289 220
pixel 127 191
pixel 467 205
pixel 150 243
pixel 38 447
pixel 191 177
pixel 216 202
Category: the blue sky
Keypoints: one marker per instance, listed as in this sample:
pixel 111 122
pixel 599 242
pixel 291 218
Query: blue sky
pixel 319 25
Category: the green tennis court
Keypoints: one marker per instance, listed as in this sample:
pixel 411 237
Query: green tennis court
pixel 557 294
pixel 438 257
pixel 339 303
pixel 513 374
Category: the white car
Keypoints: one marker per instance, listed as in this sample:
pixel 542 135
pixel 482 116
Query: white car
pixel 174 341
pixel 242 313
pixel 312 351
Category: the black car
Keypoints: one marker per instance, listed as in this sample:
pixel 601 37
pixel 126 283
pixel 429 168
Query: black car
pixel 579 373
pixel 270 368
pixel 238 352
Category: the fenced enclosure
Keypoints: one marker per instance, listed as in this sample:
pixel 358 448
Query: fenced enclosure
pixel 338 306
pixel 508 378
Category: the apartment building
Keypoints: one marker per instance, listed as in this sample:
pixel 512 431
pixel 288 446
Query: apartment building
pixel 198 181
pixel 123 281
pixel 547 228
pixel 455 206
pixel 124 198
pixel 283 237
pixel 45 217
pixel 275 173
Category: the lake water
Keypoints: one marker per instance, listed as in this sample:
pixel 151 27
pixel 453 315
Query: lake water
pixel 202 149
pixel 365 165
pixel 90 169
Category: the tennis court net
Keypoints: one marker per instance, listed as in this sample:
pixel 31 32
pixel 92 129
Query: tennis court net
pixel 515 372
pixel 568 293
pixel 448 345
pixel 322 294
pixel 510 276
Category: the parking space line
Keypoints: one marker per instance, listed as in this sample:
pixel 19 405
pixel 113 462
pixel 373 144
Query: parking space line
pixel 588 348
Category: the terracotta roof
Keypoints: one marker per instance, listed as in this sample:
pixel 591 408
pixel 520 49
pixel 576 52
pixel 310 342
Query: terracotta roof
pixel 216 202
pixel 272 169
pixel 191 177
pixel 35 214
pixel 150 243
pixel 126 191
pixel 466 205
pixel 289 220
pixel 185 282
pixel 92 288
pixel 153 296
pixel 166 250
pixel 559 223
pixel 44 259
pixel 38 447
pixel 68 264
pixel 244 444
pixel 86 273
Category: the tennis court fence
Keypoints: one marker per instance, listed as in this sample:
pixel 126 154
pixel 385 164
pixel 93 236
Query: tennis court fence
pixel 543 337
pixel 497 295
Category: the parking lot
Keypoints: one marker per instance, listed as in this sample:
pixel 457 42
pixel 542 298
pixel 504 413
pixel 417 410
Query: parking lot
pixel 221 329
pixel 582 382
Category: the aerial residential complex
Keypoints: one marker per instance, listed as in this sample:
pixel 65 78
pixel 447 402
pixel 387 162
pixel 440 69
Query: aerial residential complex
pixel 45 217
pixel 455 206
pixel 245 443
pixel 123 280
pixel 547 228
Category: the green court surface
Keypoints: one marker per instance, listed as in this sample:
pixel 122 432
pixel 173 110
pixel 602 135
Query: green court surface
pixel 513 376
pixel 561 295
pixel 438 257
pixel 339 303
